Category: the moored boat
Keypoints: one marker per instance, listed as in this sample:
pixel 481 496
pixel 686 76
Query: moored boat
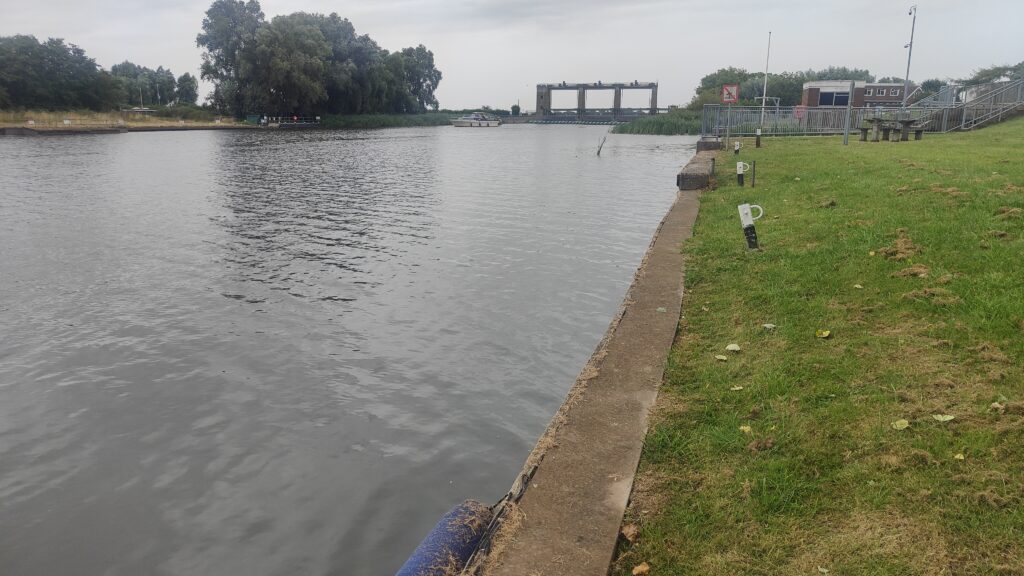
pixel 476 120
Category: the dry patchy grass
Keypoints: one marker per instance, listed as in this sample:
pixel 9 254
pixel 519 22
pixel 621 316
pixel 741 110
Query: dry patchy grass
pixel 787 458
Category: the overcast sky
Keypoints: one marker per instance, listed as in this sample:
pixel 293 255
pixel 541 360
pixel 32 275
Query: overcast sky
pixel 494 52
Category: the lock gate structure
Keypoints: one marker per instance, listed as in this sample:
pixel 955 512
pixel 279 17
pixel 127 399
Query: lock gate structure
pixel 581 112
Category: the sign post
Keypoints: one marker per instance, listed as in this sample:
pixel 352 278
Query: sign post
pixel 846 121
pixel 799 112
pixel 730 96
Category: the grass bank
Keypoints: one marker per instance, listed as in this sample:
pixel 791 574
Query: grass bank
pixel 43 119
pixel 676 122
pixel 895 445
pixel 370 121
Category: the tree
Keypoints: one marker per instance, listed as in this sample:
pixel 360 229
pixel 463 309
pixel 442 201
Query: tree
pixel 515 109
pixel 163 81
pixel 53 75
pixel 229 33
pixel 307 63
pixel 839 73
pixel 994 74
pixel 144 86
pixel 187 91
pixel 422 77
pixel 286 65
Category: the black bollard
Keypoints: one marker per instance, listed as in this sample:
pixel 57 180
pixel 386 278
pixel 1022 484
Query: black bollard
pixel 757 141
pixel 753 174
pixel 736 148
pixel 747 223
pixel 751 235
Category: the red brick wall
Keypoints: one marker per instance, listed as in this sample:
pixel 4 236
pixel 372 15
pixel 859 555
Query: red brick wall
pixel 810 97
pixel 858 97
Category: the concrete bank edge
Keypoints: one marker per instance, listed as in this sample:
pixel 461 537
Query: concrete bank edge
pixel 589 552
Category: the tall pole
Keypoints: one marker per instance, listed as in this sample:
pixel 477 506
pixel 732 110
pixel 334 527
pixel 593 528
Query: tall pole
pixel 849 108
pixel 910 52
pixel 764 91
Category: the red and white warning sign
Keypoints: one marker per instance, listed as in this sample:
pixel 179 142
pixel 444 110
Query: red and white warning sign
pixel 730 93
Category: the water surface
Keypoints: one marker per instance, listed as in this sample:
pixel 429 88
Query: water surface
pixel 272 353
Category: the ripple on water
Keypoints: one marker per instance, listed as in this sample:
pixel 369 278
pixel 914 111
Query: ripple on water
pixel 261 353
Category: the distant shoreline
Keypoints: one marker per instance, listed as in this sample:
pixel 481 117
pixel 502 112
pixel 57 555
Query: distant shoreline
pixel 76 130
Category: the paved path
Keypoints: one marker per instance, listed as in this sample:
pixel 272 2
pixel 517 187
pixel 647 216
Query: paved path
pixel 573 507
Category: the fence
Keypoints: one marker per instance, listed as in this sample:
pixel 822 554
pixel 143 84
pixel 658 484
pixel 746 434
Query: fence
pixel 981 105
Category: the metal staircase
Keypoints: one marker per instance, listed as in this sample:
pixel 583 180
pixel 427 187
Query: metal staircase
pixel 977 105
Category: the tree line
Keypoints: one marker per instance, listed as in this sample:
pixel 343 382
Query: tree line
pixel 293 64
pixel 56 75
pixel 306 64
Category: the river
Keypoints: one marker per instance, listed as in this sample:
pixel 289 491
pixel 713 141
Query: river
pixel 276 353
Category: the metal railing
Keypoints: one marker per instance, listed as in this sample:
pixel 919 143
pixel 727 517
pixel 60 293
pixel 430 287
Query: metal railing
pixel 984 104
pixel 720 120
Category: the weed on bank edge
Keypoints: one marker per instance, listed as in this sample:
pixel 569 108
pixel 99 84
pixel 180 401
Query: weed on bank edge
pixel 872 421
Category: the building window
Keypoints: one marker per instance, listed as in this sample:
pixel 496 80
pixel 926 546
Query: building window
pixel 833 98
pixel 868 91
pixel 894 92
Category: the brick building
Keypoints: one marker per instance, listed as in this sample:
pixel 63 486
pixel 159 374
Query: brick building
pixel 837 93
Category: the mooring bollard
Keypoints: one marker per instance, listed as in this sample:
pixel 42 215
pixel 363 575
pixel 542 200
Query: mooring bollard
pixel 753 174
pixel 747 220
pixel 741 167
pixel 736 147
pixel 757 141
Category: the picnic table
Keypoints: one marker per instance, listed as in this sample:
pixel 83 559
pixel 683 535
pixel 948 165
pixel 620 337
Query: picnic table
pixel 876 125
pixel 903 127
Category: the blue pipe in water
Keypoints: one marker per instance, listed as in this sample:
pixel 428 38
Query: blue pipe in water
pixel 447 547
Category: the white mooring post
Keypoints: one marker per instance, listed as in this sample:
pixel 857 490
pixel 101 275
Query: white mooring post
pixel 741 168
pixel 747 219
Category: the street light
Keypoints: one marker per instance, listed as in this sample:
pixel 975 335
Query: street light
pixel 910 52
pixel 764 91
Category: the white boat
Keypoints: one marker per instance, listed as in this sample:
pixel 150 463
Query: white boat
pixel 475 120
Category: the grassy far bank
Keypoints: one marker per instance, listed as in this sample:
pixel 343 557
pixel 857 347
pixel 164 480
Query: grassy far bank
pixel 369 121
pixel 55 119
pixel 837 455
pixel 679 121
pixel 86 118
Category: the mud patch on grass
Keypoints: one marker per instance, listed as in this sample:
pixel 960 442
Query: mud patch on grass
pixel 1008 213
pixel 936 296
pixel 948 190
pixel 917 270
pixel 988 352
pixel 902 247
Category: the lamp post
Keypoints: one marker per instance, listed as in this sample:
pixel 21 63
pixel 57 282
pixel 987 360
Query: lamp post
pixel 910 52
pixel 764 91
